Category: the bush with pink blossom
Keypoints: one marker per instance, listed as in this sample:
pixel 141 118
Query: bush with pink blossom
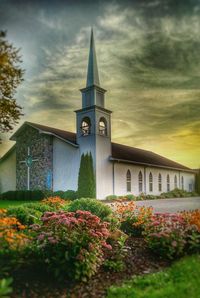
pixel 71 244
pixel 170 235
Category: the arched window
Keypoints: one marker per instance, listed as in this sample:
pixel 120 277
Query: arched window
pixel 140 182
pixel 182 182
pixel 175 182
pixel 159 182
pixel 150 182
pixel 168 183
pixel 128 181
pixel 85 126
pixel 102 127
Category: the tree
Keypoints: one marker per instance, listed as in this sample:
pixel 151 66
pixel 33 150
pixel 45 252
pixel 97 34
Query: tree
pixel 197 182
pixel 11 75
pixel 86 179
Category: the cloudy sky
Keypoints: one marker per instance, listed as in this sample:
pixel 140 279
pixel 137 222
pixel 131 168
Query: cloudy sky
pixel 148 54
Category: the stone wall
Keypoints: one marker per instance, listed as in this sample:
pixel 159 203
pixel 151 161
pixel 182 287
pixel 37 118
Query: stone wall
pixel 41 148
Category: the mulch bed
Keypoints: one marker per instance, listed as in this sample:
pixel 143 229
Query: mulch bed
pixel 139 260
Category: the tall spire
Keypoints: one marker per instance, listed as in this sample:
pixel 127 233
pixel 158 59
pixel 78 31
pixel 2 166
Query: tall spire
pixel 92 73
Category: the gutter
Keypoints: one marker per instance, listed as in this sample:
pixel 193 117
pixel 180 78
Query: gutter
pixel 149 165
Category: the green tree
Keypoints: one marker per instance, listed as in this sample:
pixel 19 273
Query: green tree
pixel 86 179
pixel 197 182
pixel 10 77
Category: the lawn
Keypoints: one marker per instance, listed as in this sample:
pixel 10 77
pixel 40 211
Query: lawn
pixel 180 281
pixel 7 203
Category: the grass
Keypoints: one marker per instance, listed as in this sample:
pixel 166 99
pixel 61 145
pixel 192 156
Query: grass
pixel 180 281
pixel 7 203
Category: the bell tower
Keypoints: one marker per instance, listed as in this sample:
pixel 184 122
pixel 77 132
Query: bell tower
pixel 93 125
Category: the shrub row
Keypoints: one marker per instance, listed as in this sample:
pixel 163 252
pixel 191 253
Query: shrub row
pixel 176 193
pixel 36 195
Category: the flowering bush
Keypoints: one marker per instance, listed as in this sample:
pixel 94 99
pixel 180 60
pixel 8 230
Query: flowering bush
pixel 11 235
pixel 133 219
pixel 71 243
pixel 192 217
pixel 55 202
pixel 170 235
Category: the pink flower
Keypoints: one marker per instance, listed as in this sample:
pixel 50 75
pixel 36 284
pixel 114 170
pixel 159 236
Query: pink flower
pixel 106 245
pixel 40 237
pixel 174 243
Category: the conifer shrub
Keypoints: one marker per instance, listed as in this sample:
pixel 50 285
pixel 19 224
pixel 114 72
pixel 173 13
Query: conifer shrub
pixel 94 206
pixel 197 182
pixel 86 178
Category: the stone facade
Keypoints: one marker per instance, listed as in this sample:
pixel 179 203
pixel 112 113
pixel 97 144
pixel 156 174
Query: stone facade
pixel 41 148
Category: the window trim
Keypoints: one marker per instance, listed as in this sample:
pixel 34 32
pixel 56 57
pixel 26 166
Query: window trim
pixel 150 182
pixel 159 182
pixel 86 128
pixel 168 183
pixel 140 182
pixel 103 130
pixel 128 181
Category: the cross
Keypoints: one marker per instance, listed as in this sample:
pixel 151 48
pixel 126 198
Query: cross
pixel 28 161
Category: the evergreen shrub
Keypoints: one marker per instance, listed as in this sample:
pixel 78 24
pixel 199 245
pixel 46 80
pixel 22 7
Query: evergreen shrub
pixel 94 206
pixel 86 178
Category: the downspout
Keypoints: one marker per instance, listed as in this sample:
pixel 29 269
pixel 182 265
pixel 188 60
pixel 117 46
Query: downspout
pixel 113 177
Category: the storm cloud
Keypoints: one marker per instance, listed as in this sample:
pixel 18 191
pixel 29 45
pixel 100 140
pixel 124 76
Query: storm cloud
pixel 148 57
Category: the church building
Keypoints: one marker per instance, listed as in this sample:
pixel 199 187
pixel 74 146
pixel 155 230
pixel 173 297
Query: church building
pixel 45 157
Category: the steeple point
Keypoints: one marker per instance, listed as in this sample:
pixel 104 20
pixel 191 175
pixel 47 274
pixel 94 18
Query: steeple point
pixel 92 72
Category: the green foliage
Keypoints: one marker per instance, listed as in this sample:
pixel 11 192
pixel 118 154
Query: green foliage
pixel 171 235
pixel 94 206
pixel 86 178
pixel 70 244
pixel 10 77
pixel 65 195
pixel 115 258
pixel 197 182
pixel 5 287
pixel 177 193
pixel 25 215
pixel 70 195
pixel 23 195
pixel 181 281
pixel 130 197
pixel 29 213
pixel 58 193
pixel 111 197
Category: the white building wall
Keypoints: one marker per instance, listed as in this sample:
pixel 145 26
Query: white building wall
pixel 120 185
pixel 8 172
pixel 66 162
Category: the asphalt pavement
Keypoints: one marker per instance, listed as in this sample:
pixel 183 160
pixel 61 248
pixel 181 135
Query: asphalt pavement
pixel 172 205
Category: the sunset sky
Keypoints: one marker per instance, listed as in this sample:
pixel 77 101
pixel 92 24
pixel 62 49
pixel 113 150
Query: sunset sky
pixel 148 56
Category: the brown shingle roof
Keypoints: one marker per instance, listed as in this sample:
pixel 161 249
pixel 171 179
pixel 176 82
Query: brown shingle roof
pixel 66 135
pixel 119 152
pixel 140 156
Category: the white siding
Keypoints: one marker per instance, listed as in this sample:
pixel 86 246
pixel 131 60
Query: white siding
pixel 120 170
pixel 8 172
pixel 66 162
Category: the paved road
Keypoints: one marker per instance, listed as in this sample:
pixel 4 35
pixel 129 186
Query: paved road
pixel 172 205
